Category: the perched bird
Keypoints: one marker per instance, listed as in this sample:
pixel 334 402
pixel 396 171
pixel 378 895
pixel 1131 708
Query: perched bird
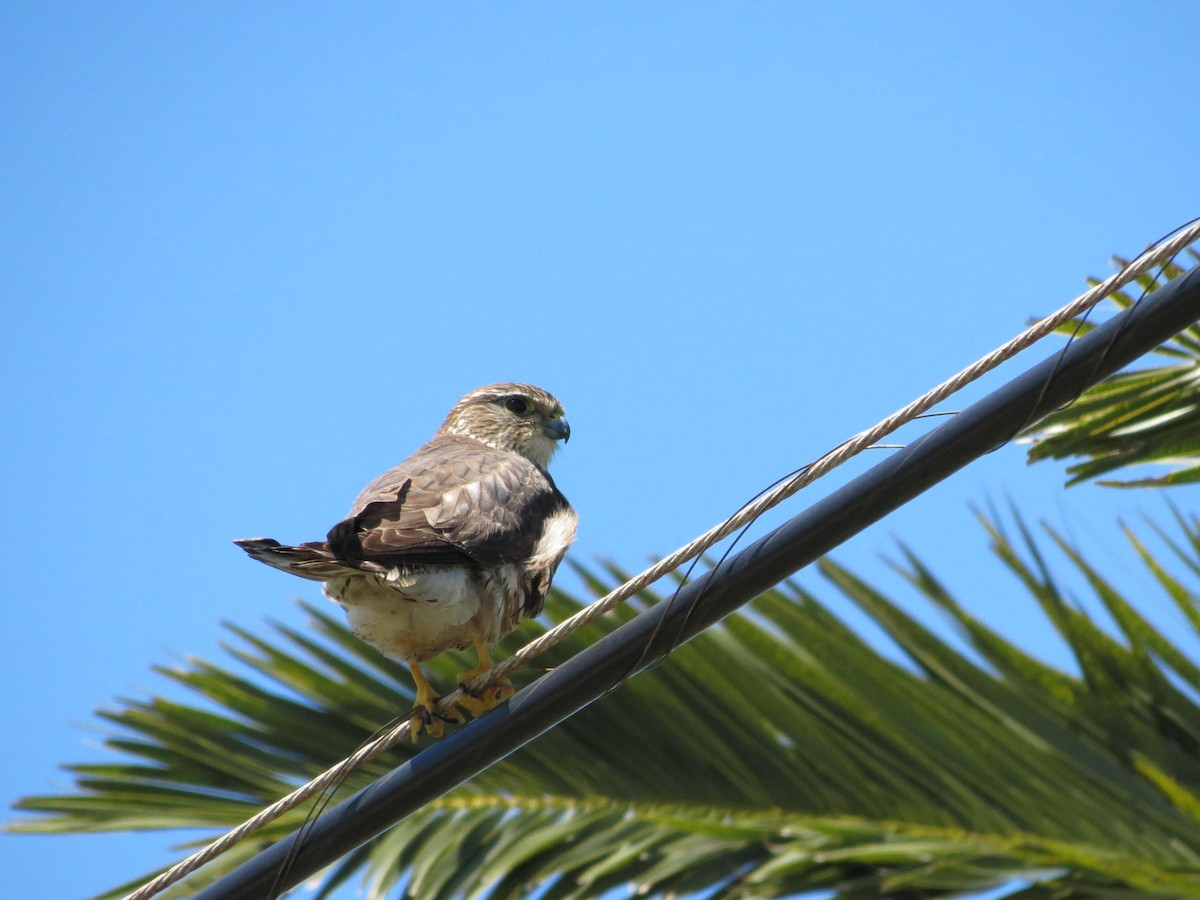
pixel 452 547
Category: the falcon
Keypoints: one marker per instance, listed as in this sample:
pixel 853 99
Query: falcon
pixel 452 547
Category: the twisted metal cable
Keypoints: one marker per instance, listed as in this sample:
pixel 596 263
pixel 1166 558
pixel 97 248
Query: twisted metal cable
pixel 1157 254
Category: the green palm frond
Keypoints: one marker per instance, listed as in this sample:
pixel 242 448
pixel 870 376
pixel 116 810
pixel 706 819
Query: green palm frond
pixel 776 753
pixel 1149 415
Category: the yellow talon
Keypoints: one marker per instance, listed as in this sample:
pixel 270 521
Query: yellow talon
pixel 490 695
pixel 425 715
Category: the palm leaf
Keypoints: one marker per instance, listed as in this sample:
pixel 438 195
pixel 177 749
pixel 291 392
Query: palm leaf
pixel 776 753
pixel 1132 418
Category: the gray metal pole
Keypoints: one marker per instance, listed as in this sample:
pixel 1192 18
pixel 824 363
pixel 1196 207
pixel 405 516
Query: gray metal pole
pixel 639 643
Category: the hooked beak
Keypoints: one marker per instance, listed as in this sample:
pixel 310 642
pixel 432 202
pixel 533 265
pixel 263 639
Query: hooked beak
pixel 557 430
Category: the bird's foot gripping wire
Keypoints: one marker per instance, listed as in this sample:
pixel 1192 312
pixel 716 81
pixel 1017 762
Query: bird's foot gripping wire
pixel 488 697
pixel 491 695
pixel 424 713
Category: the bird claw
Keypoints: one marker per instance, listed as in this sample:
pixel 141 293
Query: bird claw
pixel 424 720
pixel 491 695
pixel 425 717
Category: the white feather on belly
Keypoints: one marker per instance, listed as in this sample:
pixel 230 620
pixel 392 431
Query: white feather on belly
pixel 412 617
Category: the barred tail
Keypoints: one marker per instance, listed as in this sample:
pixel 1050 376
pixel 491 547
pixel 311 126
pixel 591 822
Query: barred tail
pixel 313 561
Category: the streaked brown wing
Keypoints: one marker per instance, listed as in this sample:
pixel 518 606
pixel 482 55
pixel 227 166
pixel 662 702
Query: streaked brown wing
pixel 454 501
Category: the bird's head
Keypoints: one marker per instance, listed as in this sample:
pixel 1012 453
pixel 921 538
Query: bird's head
pixel 517 417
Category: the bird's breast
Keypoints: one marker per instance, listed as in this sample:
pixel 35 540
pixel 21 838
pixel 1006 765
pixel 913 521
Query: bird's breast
pixel 558 531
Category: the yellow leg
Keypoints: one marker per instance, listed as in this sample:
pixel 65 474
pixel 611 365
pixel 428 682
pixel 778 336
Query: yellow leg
pixel 425 713
pixel 490 695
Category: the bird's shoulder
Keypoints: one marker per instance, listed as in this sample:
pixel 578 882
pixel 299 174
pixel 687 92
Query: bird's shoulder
pixel 454 499
pixel 445 465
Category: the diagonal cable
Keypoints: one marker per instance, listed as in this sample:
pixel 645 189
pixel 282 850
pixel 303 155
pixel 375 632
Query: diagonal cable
pixel 1156 255
pixel 648 637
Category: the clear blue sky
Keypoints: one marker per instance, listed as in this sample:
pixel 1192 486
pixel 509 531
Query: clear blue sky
pixel 253 252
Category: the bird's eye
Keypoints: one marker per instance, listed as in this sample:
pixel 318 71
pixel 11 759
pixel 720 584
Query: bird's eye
pixel 519 405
